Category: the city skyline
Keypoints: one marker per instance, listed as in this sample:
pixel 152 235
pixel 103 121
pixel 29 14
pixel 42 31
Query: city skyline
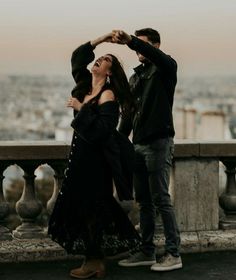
pixel 37 37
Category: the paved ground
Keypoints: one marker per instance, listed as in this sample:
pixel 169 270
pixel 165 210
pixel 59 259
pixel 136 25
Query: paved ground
pixel 204 266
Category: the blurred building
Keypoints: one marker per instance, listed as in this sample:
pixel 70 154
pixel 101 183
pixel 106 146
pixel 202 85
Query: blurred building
pixel 210 124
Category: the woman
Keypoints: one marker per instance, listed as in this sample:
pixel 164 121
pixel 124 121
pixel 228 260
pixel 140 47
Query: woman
pixel 86 218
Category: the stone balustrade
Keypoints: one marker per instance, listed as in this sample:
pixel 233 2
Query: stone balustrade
pixel 195 184
pixel 28 156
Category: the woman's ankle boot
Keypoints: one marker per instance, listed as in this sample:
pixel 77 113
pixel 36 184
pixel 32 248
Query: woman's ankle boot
pixel 92 267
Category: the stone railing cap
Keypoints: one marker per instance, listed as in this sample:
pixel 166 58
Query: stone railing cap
pixel 33 150
pixel 52 150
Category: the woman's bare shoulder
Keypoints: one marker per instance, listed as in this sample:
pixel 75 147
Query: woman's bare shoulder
pixel 106 96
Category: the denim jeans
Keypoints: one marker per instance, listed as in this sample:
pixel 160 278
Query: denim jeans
pixel 151 183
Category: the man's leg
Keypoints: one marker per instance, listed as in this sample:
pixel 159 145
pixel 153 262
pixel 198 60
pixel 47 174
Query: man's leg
pixel 159 163
pixel 143 197
pixel 146 255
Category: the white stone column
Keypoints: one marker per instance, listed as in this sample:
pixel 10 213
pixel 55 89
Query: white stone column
pixel 212 126
pixel 190 123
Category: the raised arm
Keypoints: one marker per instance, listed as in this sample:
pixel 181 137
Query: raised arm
pixel 160 59
pixel 164 62
pixel 84 55
pixel 80 59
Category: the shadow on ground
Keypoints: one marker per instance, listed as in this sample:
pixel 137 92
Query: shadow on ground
pixel 204 266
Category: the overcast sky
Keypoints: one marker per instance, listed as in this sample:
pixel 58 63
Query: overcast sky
pixel 38 36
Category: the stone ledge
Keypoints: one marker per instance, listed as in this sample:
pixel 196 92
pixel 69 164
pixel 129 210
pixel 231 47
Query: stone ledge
pixel 203 241
pixel 22 250
pixel 31 250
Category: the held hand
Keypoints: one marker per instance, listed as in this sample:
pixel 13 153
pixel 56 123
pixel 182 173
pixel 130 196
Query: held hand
pixel 74 103
pixel 120 37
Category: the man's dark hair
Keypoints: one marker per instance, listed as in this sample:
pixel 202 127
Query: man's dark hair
pixel 152 35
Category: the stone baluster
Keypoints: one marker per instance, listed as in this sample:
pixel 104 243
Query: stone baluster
pixel 228 198
pixel 28 207
pixel 58 178
pixel 5 233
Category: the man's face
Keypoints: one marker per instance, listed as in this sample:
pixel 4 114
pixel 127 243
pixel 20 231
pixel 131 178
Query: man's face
pixel 142 58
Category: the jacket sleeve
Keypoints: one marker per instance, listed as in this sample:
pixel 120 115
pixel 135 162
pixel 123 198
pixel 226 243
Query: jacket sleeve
pixel 95 126
pixel 164 62
pixel 80 59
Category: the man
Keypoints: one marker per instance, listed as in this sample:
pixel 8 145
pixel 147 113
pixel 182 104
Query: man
pixel 152 85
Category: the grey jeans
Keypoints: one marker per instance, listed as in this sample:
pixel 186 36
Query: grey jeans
pixel 151 183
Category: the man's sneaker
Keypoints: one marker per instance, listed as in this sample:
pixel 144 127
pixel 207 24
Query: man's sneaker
pixel 167 263
pixel 138 259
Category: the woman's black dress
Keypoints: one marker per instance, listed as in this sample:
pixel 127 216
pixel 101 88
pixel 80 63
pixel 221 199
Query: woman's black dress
pixel 86 218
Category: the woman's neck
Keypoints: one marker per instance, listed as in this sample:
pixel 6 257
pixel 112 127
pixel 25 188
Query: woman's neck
pixel 97 85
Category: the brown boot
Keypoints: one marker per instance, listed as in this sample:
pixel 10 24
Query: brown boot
pixel 88 269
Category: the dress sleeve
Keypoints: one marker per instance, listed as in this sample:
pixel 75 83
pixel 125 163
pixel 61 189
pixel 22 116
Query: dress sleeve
pixel 95 125
pixel 80 59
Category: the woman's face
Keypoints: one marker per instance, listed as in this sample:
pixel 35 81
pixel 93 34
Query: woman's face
pixel 102 65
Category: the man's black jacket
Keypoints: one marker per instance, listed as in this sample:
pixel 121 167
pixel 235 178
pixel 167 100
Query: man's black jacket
pixel 153 86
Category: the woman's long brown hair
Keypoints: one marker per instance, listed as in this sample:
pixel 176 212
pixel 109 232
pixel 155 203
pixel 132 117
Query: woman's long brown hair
pixel 120 86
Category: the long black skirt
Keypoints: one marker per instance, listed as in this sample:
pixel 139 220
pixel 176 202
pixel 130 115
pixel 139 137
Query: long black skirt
pixel 86 218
